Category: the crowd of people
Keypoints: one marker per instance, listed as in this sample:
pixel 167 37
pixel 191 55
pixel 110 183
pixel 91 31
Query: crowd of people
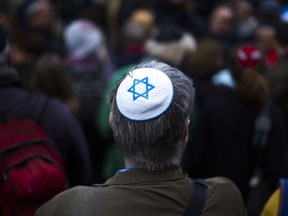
pixel 235 51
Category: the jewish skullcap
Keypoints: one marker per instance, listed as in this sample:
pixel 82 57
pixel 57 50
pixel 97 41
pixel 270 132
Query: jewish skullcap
pixel 144 94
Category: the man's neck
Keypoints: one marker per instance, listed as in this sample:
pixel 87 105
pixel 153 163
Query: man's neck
pixel 129 164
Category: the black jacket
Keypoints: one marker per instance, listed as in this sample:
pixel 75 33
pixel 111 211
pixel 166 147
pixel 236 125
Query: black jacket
pixel 58 123
pixel 223 143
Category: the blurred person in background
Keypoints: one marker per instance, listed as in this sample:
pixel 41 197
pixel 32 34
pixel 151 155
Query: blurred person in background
pixel 31 25
pixel 277 74
pixel 197 66
pixel 56 119
pixel 26 49
pixel 201 70
pixel 221 26
pixel 39 17
pixel 90 66
pixel 278 78
pixel 182 13
pixel 224 142
pixel 51 77
pixel 268 12
pixel 170 43
pixel 245 20
pixel 134 33
pixel 265 39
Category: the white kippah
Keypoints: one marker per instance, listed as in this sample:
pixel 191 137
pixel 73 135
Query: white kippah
pixel 144 94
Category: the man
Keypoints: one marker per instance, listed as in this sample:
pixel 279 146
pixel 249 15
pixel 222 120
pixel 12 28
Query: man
pixel 221 26
pixel 53 117
pixel 278 79
pixel 149 117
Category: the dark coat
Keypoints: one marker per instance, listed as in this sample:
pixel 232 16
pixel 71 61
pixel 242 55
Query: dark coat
pixel 140 192
pixel 58 123
pixel 223 143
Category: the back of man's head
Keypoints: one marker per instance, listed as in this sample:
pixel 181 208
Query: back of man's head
pixel 150 108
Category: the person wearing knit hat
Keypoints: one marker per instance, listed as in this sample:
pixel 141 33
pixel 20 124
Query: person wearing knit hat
pixel 244 57
pixel 170 44
pixel 90 67
pixel 82 38
pixel 228 125
pixel 248 56
pixel 86 50
pixel 150 108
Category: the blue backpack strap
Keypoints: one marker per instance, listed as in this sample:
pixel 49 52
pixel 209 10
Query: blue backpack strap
pixel 197 199
pixel 283 199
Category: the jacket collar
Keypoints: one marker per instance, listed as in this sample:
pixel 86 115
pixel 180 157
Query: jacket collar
pixel 140 175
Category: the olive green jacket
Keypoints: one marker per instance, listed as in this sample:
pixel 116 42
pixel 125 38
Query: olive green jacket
pixel 144 193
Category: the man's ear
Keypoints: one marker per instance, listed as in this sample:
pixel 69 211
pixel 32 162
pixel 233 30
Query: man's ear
pixel 110 119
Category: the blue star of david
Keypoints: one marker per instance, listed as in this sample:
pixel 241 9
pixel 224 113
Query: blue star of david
pixel 144 94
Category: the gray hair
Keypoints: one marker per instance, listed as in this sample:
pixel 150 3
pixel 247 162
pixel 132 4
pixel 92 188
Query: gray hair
pixel 155 144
